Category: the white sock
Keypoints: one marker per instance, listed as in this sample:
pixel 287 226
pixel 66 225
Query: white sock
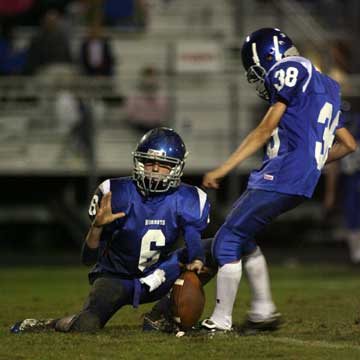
pixel 353 240
pixel 257 273
pixel 227 283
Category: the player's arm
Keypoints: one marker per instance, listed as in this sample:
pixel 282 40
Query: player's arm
pixel 252 143
pixel 344 145
pixel 103 216
pixel 196 252
pixel 195 218
pixel 331 173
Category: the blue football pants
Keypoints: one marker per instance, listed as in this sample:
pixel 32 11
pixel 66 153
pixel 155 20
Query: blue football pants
pixel 110 293
pixel 250 213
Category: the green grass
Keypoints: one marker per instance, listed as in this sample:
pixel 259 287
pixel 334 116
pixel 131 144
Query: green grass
pixel 320 305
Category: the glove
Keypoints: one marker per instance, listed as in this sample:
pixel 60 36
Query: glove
pixel 154 280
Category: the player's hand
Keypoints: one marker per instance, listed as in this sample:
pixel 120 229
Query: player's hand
pixel 211 179
pixel 104 214
pixel 196 265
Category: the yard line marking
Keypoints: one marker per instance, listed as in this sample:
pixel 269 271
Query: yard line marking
pixel 316 343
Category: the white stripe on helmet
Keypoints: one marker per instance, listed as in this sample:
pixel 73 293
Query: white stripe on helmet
pixel 276 47
pixel 255 54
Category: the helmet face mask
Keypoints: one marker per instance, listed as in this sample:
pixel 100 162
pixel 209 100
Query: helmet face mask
pixel 156 182
pixel 256 77
pixel 164 148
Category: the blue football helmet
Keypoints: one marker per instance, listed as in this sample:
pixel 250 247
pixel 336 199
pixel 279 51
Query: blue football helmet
pixel 260 51
pixel 165 147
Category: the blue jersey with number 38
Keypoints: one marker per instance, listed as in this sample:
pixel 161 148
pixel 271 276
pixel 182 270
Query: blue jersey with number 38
pixel 136 244
pixel 299 146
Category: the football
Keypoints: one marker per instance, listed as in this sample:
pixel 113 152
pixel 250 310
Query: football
pixel 187 300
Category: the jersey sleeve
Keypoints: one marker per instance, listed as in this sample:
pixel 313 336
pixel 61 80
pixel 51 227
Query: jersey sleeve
pixel 287 80
pixel 195 217
pixel 102 189
pixel 90 256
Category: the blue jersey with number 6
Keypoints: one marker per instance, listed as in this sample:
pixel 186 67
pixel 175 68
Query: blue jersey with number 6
pixel 136 244
pixel 299 146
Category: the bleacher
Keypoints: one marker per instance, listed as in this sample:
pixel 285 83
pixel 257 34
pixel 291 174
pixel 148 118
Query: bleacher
pixel 202 103
pixel 35 143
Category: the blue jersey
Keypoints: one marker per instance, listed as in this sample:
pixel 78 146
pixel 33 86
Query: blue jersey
pixel 136 244
pixel 299 146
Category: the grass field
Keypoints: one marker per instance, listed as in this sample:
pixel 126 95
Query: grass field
pixel 320 304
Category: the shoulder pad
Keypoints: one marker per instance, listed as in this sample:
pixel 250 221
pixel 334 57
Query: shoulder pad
pixel 289 77
pixel 194 203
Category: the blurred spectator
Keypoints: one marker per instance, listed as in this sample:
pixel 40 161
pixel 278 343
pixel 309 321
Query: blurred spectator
pixel 118 12
pixel 125 13
pixel 14 7
pixel 31 12
pixel 342 180
pixel 12 60
pixel 96 54
pixel 340 68
pixel 82 13
pixel 345 174
pixel 67 110
pixel 72 122
pixel 148 107
pixel 350 186
pixel 49 46
pixel 350 194
pixel 90 11
pixel 141 14
pixel 13 12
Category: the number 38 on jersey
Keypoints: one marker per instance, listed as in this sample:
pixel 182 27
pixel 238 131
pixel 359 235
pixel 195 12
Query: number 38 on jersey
pixel 286 77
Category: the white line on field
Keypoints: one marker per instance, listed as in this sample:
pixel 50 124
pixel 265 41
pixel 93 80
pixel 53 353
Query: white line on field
pixel 318 344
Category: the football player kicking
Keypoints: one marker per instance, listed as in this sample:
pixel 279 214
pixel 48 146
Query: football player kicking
pixel 299 129
pixel 136 222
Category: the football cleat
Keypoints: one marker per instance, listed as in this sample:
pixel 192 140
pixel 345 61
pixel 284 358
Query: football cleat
pixel 154 322
pixel 33 325
pixel 210 326
pixel 255 326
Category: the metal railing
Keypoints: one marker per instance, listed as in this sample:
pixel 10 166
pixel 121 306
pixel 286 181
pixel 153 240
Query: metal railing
pixel 34 140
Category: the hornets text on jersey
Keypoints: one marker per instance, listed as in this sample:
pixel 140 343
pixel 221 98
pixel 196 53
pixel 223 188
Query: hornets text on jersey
pixel 299 146
pixel 135 245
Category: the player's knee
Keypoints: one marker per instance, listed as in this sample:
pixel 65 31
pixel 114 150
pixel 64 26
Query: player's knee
pixel 82 322
pixel 218 245
pixel 86 322
pixel 227 246
pixel 256 252
pixel 64 324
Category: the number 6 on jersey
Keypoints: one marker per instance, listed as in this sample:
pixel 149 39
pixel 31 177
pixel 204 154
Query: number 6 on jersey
pixel 148 256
